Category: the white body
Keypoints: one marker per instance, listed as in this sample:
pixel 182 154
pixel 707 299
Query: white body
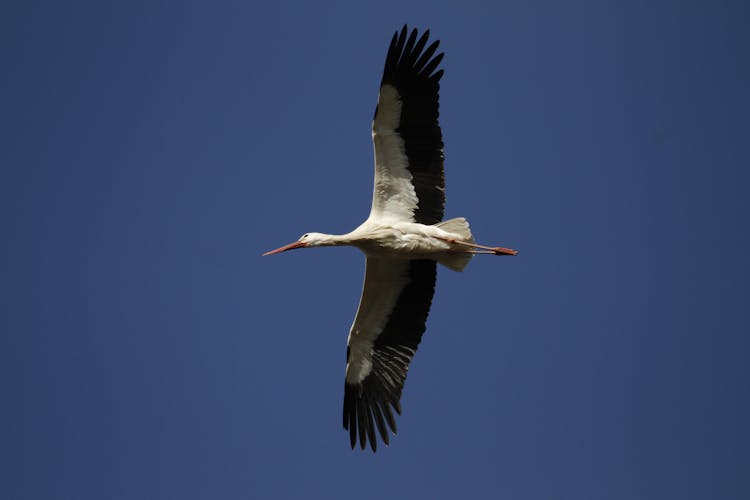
pixel 407 240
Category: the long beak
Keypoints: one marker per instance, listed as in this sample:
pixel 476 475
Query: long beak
pixel 290 246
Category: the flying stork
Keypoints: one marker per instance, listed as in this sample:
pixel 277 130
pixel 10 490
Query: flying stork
pixel 402 239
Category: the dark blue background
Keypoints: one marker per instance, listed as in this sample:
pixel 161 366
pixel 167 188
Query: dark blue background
pixel 151 151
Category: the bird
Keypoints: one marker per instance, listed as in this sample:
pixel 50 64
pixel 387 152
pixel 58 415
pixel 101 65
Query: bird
pixel 403 239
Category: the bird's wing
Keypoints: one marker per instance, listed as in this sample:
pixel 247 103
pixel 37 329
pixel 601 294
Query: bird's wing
pixel 396 298
pixel 409 181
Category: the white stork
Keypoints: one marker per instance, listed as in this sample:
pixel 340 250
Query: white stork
pixel 402 239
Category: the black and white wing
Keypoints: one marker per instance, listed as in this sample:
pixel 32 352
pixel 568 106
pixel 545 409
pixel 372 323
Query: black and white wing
pixel 390 321
pixel 409 179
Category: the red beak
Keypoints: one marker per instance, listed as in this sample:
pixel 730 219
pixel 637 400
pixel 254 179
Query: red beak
pixel 290 246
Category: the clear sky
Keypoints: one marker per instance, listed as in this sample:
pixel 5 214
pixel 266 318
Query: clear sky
pixel 151 151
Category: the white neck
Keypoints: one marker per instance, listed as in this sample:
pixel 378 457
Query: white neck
pixel 329 240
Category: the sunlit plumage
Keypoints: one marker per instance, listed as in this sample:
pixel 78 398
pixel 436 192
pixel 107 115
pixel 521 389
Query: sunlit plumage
pixel 403 239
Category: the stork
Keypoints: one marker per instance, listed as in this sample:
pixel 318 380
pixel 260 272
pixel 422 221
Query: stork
pixel 403 239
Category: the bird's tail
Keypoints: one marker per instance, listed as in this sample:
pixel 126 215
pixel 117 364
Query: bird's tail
pixel 460 227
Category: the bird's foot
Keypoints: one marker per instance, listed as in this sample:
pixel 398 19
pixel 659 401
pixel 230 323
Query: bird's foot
pixel 504 251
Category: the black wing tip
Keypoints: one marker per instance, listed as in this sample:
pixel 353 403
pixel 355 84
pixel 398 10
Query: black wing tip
pixel 405 29
pixel 365 412
pixel 408 52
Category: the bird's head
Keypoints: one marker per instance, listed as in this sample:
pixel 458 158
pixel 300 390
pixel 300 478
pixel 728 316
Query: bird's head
pixel 306 240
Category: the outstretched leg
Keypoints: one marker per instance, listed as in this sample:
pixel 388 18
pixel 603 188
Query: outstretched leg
pixel 481 248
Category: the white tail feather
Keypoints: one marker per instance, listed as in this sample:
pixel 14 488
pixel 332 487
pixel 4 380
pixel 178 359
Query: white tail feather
pixel 460 227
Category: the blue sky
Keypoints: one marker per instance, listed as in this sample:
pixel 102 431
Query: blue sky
pixel 153 150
